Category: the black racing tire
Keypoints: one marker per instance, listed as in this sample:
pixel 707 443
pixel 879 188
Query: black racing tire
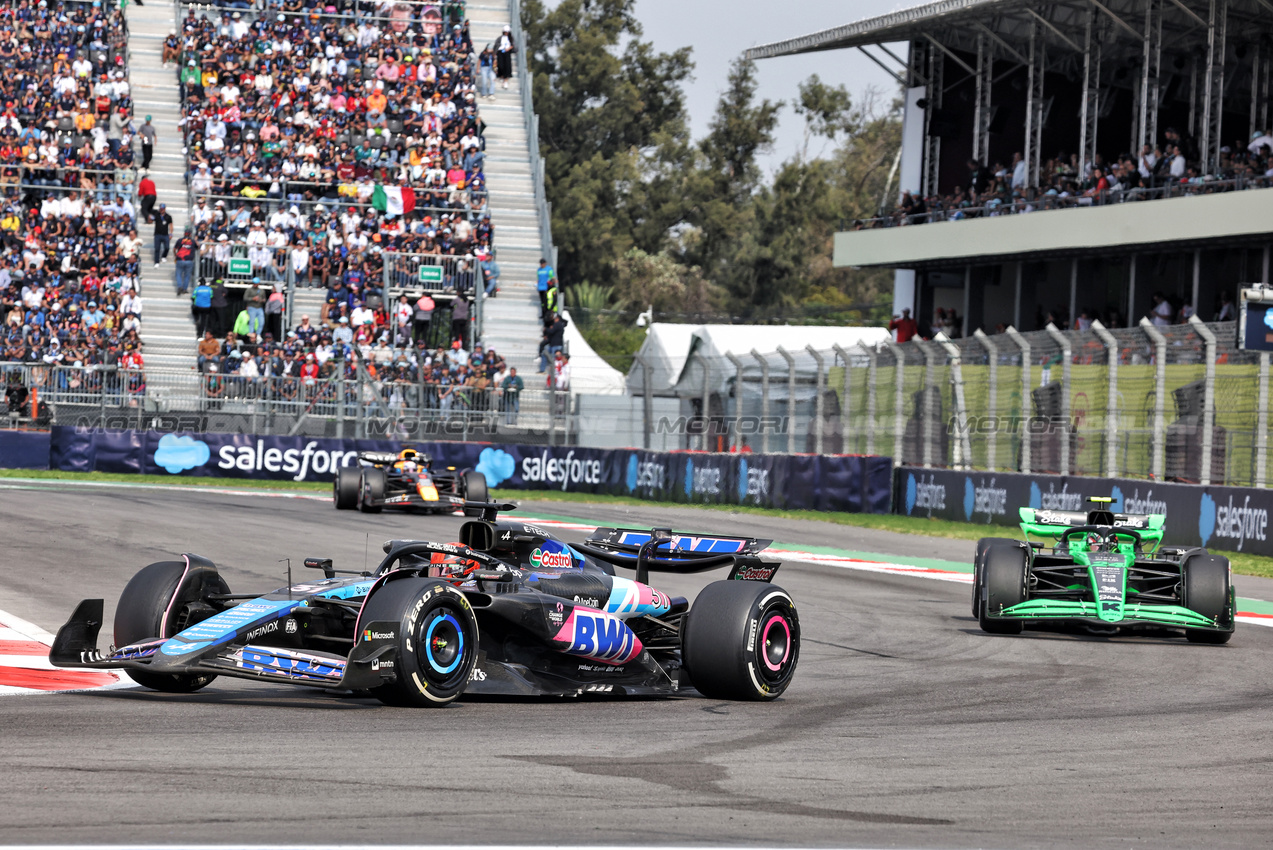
pixel 147 609
pixel 475 491
pixel 976 574
pixel 437 641
pixel 1206 584
pixel 741 641
pixel 1004 571
pixel 345 488
pixel 371 489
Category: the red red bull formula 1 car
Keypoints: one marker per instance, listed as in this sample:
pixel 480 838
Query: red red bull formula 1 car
pixel 507 610
pixel 405 480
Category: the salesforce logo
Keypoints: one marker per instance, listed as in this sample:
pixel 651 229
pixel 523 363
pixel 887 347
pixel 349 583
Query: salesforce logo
pixel 178 454
pixel 497 465
pixel 634 473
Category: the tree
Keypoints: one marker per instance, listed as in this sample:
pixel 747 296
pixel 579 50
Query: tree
pixel 602 112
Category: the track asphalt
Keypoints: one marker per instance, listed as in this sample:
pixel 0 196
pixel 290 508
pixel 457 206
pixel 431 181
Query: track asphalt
pixel 906 726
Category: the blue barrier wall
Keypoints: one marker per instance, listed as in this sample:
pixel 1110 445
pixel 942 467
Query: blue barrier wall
pixel 1220 518
pixel 813 482
pixel 24 449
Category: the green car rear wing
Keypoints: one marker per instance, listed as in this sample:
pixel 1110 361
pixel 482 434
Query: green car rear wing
pixel 1052 525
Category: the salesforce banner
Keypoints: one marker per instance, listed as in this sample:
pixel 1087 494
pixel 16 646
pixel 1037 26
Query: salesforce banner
pixel 1221 518
pixel 813 482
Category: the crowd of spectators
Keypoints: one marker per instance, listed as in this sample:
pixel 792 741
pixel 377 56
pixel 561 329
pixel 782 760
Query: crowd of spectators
pixel 1166 170
pixel 297 120
pixel 396 375
pixel 69 249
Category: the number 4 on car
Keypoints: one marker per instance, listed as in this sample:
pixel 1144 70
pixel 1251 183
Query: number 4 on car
pixel 1105 572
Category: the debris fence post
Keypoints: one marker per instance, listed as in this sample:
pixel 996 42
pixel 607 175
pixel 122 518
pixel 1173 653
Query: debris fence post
pixel 1159 435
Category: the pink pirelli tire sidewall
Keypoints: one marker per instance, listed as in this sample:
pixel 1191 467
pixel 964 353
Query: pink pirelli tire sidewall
pixel 741 641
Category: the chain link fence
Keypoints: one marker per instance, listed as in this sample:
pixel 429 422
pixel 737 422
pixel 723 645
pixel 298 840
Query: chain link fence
pixel 1179 403
pixel 371 403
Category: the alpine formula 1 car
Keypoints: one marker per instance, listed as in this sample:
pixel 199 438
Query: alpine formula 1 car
pixel 405 480
pixel 1104 572
pixel 508 610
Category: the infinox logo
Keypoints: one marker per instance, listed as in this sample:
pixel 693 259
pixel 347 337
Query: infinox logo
pixel 551 560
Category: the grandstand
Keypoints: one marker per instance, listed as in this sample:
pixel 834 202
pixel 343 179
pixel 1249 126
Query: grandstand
pixel 1063 162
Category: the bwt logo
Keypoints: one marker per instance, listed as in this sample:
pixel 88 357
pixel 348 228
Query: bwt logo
pixel 603 638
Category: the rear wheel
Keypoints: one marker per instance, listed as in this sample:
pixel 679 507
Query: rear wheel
pixel 345 488
pixel 1206 584
pixel 371 490
pixel 153 606
pixel 436 641
pixel 474 491
pixel 741 641
pixel 1004 570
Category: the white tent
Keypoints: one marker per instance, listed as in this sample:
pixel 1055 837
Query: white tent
pixel 589 373
pixel 677 353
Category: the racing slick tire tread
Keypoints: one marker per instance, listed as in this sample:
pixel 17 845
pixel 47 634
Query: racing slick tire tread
pixel 140 614
pixel 475 491
pixel 1206 585
pixel 741 641
pixel 982 545
pixel 371 489
pixel 1003 575
pixel 437 641
pixel 345 488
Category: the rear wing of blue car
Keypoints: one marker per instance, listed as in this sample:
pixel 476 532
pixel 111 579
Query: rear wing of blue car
pixel 667 551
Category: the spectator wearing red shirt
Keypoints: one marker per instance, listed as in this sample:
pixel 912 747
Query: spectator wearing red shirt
pixel 148 194
pixel 905 327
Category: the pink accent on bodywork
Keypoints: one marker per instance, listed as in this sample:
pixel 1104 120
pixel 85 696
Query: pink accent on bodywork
pixel 568 635
pixel 163 624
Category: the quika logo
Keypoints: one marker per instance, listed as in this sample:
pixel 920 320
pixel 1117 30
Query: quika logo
pixel 926 495
pixel 985 498
pixel 1231 522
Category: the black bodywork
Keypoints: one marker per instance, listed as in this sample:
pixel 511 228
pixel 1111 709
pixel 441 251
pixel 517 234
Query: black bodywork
pixel 554 619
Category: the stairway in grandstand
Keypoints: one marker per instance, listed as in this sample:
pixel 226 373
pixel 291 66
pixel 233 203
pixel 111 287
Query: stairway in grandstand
pixel 511 323
pixel 168 330
pixel 512 319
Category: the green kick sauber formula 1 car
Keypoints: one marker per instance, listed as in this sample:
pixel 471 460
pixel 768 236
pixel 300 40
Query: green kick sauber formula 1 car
pixel 1105 572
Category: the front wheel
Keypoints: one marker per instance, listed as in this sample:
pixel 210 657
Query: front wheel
pixel 345 488
pixel 474 491
pixel 436 641
pixel 741 641
pixel 160 601
pixel 1004 570
pixel 1206 585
